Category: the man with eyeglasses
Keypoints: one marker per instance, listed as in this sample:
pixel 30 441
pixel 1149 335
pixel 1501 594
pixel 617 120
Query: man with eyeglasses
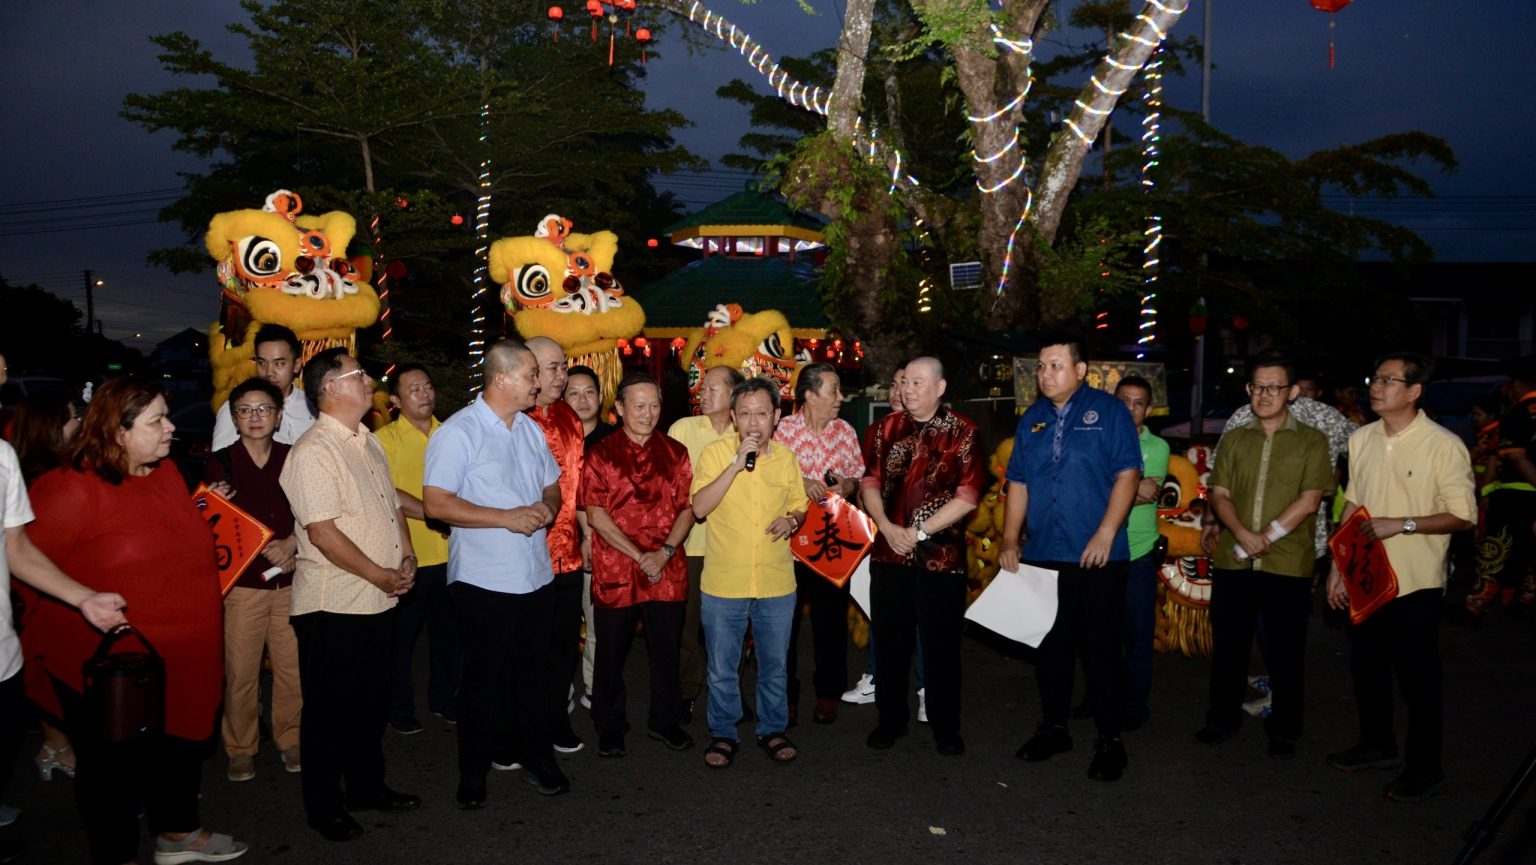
pixel 277 354
pixel 256 607
pixel 1267 481
pixel 355 559
pixel 1414 477
pixel 1072 479
pixel 404 441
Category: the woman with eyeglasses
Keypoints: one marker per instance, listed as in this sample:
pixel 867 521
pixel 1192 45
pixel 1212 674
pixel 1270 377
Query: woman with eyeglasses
pixel 117 516
pixel 256 607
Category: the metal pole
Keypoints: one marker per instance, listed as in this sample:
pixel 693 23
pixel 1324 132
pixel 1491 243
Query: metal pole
pixel 1205 65
pixel 90 302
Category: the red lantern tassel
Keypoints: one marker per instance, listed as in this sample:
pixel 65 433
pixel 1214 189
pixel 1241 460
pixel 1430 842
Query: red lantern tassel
pixel 594 31
pixel 1333 25
pixel 610 47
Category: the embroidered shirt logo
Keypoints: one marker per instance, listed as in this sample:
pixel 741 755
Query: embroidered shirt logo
pixel 1090 417
pixel 1037 427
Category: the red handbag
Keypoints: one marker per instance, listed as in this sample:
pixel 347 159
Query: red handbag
pixel 125 691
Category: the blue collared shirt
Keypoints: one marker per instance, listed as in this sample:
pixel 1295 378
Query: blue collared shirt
pixel 475 456
pixel 1069 460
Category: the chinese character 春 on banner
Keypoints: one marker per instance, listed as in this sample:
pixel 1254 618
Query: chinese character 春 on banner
pixel 834 539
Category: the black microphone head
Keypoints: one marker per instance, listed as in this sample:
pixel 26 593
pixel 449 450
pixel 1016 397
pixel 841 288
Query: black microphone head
pixel 751 461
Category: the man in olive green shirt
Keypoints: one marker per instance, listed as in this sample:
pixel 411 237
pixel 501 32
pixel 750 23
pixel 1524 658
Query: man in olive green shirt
pixel 1268 479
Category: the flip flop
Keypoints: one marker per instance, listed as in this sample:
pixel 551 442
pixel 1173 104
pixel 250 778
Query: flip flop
pixel 723 747
pixel 775 744
pixel 218 848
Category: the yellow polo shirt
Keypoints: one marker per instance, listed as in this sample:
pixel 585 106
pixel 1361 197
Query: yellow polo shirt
pixel 741 560
pixel 405 448
pixel 696 433
pixel 1422 470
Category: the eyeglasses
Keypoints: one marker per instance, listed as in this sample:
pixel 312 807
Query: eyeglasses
pixel 261 410
pixel 1373 380
pixel 1268 389
pixel 358 371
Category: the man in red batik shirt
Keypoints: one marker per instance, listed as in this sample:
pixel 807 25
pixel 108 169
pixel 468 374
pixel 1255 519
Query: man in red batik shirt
pixel 563 430
pixel 635 490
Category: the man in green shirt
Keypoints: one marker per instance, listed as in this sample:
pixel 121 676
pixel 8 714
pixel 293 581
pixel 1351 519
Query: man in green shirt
pixel 1268 478
pixel 1146 554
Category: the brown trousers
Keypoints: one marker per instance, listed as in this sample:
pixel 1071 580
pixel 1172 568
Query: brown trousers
pixel 254 618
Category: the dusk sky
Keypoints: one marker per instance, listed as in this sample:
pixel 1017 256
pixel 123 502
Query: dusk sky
pixel 1460 71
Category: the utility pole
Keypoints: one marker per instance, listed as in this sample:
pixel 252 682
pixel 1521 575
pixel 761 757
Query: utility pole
pixel 90 302
pixel 1197 387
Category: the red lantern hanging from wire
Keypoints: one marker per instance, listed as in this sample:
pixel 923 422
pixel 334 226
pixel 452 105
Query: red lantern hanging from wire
pixel 627 7
pixel 643 36
pixel 556 15
pixel 595 9
pixel 1332 7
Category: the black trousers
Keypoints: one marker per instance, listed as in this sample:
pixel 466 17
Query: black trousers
pixel 1239 600
pixel 13 724
pixel 344 672
pixel 1403 637
pixel 426 605
pixel 829 635
pixel 615 634
pixel 504 689
pixel 908 600
pixel 691 655
pixel 163 774
pixel 564 646
pixel 1089 610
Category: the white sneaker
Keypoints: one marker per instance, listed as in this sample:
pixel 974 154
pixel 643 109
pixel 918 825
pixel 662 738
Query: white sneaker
pixel 1259 683
pixel 922 705
pixel 862 693
pixel 1259 708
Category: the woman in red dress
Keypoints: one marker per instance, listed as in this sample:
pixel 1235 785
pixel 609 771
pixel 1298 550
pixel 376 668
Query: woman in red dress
pixel 117 516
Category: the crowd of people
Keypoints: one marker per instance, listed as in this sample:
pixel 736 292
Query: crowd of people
pixel 524 525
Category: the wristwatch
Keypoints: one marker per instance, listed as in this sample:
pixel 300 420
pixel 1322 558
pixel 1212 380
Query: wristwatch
pixel 921 535
pixel 669 550
pixel 1410 525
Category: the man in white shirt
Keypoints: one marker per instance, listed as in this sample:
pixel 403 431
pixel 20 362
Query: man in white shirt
pixel 277 360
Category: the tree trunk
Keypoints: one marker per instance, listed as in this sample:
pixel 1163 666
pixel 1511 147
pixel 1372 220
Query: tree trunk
pixel 367 149
pixel 848 87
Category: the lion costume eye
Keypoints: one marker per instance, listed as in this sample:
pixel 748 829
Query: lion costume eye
pixel 259 259
pixel 771 346
pixel 1170 495
pixel 532 286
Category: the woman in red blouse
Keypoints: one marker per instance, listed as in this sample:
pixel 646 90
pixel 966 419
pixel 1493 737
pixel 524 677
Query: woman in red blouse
pixel 634 487
pixel 118 516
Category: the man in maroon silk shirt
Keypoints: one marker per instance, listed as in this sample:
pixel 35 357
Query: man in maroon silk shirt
pixel 635 490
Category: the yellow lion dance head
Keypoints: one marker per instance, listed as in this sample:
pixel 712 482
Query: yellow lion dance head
pixel 559 284
pixel 276 266
pixel 757 343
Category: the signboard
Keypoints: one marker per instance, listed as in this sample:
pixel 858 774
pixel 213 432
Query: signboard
pixel 238 537
pixel 833 539
pixel 1364 567
pixel 1102 375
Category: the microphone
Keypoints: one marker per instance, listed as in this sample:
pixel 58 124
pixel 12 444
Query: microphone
pixel 751 461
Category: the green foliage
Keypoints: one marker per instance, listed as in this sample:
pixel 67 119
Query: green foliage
pixel 1094 267
pixel 43 333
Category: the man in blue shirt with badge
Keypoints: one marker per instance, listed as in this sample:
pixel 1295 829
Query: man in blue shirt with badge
pixel 491 476
pixel 1071 482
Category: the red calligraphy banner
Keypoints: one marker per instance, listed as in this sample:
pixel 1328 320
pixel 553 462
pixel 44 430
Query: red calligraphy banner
pixel 238 537
pixel 1364 567
pixel 834 539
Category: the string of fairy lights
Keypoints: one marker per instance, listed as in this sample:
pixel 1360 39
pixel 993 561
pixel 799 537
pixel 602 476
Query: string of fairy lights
pixel 482 250
pixel 1151 136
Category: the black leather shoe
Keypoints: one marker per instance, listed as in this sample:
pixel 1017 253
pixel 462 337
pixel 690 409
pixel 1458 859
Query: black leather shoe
pixel 685 716
pixel 882 738
pixel 1108 760
pixel 1045 744
pixel 471 794
pixel 1214 734
pixel 390 802
pixel 950 746
pixel 547 779
pixel 675 738
pixel 610 745
pixel 338 828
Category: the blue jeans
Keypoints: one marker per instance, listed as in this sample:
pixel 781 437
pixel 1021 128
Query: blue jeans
pixel 725 623
pixel 1140 619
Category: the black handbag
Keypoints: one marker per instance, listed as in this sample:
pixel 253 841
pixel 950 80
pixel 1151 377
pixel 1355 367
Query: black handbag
pixel 125 691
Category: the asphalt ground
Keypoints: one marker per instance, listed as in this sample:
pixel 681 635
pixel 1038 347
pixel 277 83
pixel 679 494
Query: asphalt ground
pixel 841 802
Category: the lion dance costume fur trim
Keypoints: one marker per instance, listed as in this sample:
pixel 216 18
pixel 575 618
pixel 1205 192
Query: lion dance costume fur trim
pixel 560 285
pixel 756 343
pixel 276 266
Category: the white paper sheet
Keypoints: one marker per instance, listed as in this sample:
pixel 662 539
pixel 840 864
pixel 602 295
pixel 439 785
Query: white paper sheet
pixel 858 584
pixel 1018 605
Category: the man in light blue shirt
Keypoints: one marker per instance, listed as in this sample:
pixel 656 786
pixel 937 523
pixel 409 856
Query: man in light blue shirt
pixel 491 476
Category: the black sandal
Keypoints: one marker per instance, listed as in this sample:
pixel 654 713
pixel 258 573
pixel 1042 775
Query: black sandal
pixel 724 748
pixel 775 744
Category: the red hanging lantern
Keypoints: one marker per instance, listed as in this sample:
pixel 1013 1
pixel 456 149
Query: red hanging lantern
pixel 1332 7
pixel 456 219
pixel 595 9
pixel 628 8
pixel 1239 323
pixel 643 36
pixel 556 15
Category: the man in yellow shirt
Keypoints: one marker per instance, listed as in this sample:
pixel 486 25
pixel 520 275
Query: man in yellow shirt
pixel 405 448
pixel 1414 478
pixel 750 489
pixel 697 432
